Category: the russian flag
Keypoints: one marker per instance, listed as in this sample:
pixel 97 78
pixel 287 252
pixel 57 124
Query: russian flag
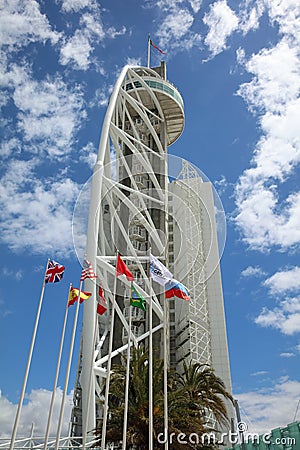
pixel 176 289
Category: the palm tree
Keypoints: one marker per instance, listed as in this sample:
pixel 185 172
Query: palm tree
pixel 205 389
pixel 190 395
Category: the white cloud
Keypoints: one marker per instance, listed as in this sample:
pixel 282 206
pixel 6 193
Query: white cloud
pixel 34 411
pixel 273 94
pixel 249 21
pixel 285 317
pixel 17 275
pixel 112 32
pixel 196 5
pixel 93 25
pixel 284 281
pixel 286 14
pixel 175 31
pixel 221 21
pixel 88 155
pixel 21 22
pixel 175 25
pixel 287 355
pixel 134 61
pixel 12 146
pixel 259 373
pixel 251 271
pixel 77 50
pixel 102 96
pixel 49 113
pixel 269 408
pixel 276 78
pixel 76 5
pixel 36 213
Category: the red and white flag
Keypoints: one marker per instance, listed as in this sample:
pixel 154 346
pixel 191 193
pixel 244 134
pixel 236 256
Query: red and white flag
pixel 87 271
pixel 122 269
pixel 102 303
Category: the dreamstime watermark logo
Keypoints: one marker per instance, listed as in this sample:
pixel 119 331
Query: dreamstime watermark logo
pixel 228 438
pixel 128 192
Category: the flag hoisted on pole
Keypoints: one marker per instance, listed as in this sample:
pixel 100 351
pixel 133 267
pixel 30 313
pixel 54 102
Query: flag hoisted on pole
pixel 151 44
pixel 62 406
pixel 85 430
pixel 56 374
pixel 136 299
pixel 101 302
pixel 75 294
pixel 53 273
pixel 159 272
pixel 87 271
pixel 150 381
pixel 122 269
pixel 176 289
pixel 127 380
pixel 162 275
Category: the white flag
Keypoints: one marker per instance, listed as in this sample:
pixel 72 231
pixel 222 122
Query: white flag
pixel 159 272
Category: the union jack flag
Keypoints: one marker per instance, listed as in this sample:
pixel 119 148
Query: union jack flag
pixel 87 271
pixel 54 272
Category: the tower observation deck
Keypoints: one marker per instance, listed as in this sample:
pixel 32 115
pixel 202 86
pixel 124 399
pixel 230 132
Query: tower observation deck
pixel 137 207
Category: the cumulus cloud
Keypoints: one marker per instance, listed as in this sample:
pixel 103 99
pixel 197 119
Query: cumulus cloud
pixel 175 25
pixel 284 281
pixel 88 154
pixel 36 213
pixel 35 412
pixel 276 78
pixel 265 218
pixel 221 21
pixel 261 409
pixel 7 148
pixel 77 49
pixel 76 5
pixel 22 22
pixel 251 271
pixel 48 112
pixel 175 31
pixel 285 317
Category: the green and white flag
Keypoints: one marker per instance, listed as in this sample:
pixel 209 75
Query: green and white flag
pixel 136 299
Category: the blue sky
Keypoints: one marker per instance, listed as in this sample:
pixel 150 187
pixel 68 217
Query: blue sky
pixel 237 67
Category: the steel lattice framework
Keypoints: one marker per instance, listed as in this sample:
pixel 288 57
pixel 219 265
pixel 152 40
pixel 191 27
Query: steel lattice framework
pixel 128 210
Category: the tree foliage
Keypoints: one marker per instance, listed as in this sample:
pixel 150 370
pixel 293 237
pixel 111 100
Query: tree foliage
pixel 192 395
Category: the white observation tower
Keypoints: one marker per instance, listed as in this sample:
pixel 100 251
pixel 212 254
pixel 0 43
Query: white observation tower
pixel 135 207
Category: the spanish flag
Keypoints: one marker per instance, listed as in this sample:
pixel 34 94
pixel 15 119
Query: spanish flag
pixel 73 296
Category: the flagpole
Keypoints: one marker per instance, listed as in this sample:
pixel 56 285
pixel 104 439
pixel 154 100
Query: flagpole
pixel 62 407
pixel 17 419
pixel 127 382
pixel 165 376
pixel 150 365
pixel 85 431
pixel 57 372
pixel 149 50
pixel 110 345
